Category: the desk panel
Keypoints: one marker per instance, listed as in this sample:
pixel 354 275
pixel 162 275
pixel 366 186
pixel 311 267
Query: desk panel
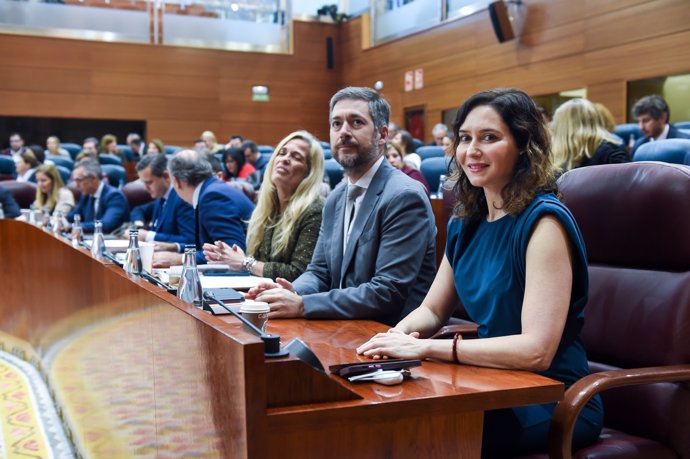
pixel 138 373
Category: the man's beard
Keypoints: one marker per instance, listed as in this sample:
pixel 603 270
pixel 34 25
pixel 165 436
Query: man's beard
pixel 361 160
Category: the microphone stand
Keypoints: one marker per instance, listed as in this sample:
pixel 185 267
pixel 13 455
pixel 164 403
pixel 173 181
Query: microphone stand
pixel 271 341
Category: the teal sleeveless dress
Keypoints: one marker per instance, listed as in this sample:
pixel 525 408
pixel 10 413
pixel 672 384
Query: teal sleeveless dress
pixel 488 261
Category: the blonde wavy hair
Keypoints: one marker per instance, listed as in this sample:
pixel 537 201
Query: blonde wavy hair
pixel 267 213
pixel 49 200
pixel 577 133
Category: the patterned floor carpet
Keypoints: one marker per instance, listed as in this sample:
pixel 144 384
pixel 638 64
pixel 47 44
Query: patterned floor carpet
pixel 31 427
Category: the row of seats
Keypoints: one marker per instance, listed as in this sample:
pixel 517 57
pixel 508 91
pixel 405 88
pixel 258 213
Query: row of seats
pixel 25 193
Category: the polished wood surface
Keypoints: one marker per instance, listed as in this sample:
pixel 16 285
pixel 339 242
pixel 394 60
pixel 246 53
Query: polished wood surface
pixel 226 399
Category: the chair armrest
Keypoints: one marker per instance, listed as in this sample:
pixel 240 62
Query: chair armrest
pixel 577 396
pixel 467 329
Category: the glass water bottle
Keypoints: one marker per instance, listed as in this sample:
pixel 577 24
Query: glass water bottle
pixel 98 243
pixel 77 232
pixel 189 289
pixel 133 258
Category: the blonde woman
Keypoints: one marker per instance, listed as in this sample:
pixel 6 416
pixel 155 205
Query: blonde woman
pixel 211 142
pixel 285 225
pixel 579 138
pixel 51 192
pixel 53 149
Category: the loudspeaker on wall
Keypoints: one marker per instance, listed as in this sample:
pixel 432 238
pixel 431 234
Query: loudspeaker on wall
pixel 500 20
pixel 330 63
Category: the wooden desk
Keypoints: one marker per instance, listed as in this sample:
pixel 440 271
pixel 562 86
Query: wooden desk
pixel 138 373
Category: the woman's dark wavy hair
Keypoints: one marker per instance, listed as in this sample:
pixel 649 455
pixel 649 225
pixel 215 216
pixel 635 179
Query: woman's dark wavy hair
pixel 533 174
pixel 236 154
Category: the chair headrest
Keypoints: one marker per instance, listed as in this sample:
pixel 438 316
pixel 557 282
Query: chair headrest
pixel 668 150
pixel 634 214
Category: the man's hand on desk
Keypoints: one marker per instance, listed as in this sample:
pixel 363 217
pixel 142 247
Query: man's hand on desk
pixel 165 247
pixel 281 297
pixel 166 259
pixel 142 234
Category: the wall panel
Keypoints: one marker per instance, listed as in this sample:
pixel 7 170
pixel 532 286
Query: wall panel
pixel 179 91
pixel 565 45
pixel 596 44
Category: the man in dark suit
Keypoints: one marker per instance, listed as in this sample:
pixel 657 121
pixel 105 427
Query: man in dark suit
pixel 652 115
pixel 375 256
pixel 16 145
pixel 99 201
pixel 167 218
pixel 220 210
pixel 8 205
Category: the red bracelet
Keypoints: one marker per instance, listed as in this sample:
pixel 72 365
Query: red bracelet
pixel 457 337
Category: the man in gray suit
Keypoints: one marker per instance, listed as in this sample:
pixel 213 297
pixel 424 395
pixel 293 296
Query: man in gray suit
pixel 375 256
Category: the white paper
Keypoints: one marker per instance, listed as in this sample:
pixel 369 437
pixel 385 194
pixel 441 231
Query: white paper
pixel 236 282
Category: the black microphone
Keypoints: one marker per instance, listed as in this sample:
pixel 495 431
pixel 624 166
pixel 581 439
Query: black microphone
pixel 112 258
pixel 271 341
pixel 155 281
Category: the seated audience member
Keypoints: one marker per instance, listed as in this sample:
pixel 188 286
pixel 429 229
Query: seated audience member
pixel 545 115
pixel 216 166
pixel 403 140
pixel 90 146
pixel 393 129
pixel 109 147
pixel 580 140
pixel 16 145
pixel 606 119
pixel 200 145
pixel 137 145
pixel 8 205
pixel 26 163
pixel 236 171
pixel 255 159
pixel 156 146
pixel 209 139
pixel 53 149
pixel 38 152
pixel 86 154
pixel 652 114
pixel 51 193
pixel 167 218
pixel 395 157
pixel 220 211
pixel 516 260
pixel 99 201
pixel 235 141
pixel 375 255
pixel 439 131
pixel 285 225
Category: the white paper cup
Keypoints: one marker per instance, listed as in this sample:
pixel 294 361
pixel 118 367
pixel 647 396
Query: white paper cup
pixel 146 250
pixel 255 312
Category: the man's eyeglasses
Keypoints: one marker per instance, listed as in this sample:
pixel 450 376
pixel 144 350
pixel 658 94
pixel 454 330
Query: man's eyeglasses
pixel 82 178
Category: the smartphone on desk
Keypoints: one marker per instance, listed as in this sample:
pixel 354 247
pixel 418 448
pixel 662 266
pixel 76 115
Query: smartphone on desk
pixel 352 369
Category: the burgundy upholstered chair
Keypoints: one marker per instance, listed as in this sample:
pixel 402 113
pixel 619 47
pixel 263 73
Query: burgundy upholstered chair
pixel 635 219
pixel 24 192
pixel 136 194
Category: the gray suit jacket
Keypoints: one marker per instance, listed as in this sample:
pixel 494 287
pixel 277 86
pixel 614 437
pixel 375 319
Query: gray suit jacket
pixel 390 262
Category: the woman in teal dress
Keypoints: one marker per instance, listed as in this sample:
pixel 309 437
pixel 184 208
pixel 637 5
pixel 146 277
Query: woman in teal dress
pixel 516 259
